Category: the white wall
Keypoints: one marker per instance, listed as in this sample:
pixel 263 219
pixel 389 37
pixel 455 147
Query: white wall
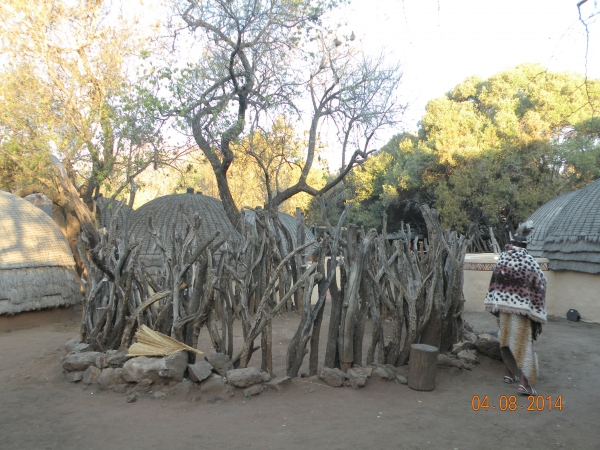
pixel 566 289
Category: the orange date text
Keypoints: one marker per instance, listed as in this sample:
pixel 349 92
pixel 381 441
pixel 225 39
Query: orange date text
pixel 510 403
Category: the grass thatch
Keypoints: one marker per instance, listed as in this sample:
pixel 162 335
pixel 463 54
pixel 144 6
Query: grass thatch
pixel 543 219
pixel 167 214
pixel 153 343
pixel 27 289
pixel 28 237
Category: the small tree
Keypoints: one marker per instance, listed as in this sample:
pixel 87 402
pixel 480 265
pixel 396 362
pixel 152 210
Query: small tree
pixel 260 59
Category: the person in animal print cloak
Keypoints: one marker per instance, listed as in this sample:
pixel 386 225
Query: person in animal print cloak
pixel 517 297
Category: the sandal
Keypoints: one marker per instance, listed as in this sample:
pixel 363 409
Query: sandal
pixel 509 380
pixel 523 390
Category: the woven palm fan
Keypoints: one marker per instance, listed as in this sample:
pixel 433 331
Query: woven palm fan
pixel 153 343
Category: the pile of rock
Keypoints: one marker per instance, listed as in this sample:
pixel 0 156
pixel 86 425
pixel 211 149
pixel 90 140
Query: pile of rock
pixel 357 376
pixel 214 378
pixel 465 354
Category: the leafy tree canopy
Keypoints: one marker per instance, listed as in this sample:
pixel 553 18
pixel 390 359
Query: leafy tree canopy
pixel 69 88
pixel 490 152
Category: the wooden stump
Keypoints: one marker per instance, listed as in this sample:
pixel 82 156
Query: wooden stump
pixel 421 367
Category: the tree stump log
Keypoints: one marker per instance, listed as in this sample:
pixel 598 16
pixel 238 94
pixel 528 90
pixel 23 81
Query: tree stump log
pixel 421 367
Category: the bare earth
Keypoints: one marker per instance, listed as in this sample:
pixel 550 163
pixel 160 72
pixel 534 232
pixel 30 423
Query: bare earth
pixel 39 409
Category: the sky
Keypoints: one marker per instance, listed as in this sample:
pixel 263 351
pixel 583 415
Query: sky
pixel 440 43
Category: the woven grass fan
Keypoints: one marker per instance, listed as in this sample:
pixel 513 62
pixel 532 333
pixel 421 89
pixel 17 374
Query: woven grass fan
pixel 153 343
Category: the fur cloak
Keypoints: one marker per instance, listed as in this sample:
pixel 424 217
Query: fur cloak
pixel 518 286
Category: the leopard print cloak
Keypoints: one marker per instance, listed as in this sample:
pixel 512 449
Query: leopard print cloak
pixel 518 286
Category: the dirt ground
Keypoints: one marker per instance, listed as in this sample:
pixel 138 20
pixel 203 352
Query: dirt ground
pixel 39 409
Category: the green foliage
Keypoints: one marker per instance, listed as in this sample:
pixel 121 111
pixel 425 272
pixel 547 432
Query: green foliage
pixel 68 88
pixel 489 152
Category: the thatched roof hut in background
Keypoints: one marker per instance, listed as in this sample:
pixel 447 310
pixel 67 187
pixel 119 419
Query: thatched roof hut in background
pixel 167 215
pixel 37 269
pixel 573 238
pixel 289 223
pixel 542 220
pixel 106 207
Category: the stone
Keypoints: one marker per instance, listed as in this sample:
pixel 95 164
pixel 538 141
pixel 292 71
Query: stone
pixel 119 375
pixel 131 398
pixel 401 379
pixel 464 345
pixel 74 377
pixel 468 327
pixel 468 356
pixel 357 377
pixel 444 360
pixel 160 395
pixel 254 390
pixel 471 337
pixel 91 375
pixel 333 377
pixel 489 346
pixel 214 383
pixel 494 333
pixel 185 387
pixel 160 370
pixel 265 376
pixel 200 371
pixel 120 388
pixel 106 380
pixel 74 345
pixel 244 377
pixel 384 373
pixel 220 362
pixel 369 371
pixel 71 343
pixel 75 362
pixel 112 358
pixel 279 384
pixel 143 386
pixel 228 391
pixel 469 366
pixel 81 347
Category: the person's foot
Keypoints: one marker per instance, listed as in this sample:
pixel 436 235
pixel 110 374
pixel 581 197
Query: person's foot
pixel 509 377
pixel 526 390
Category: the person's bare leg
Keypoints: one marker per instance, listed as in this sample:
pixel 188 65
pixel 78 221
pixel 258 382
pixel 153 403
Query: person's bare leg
pixel 512 368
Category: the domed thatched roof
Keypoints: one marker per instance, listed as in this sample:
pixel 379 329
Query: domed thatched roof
pixel 567 230
pixel 167 214
pixel 106 207
pixel 573 238
pixel 289 222
pixel 36 264
pixel 542 220
pixel 29 237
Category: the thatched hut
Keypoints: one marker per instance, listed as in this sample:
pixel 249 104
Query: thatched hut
pixel 289 223
pixel 167 214
pixel 37 269
pixel 573 238
pixel 106 208
pixel 543 219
